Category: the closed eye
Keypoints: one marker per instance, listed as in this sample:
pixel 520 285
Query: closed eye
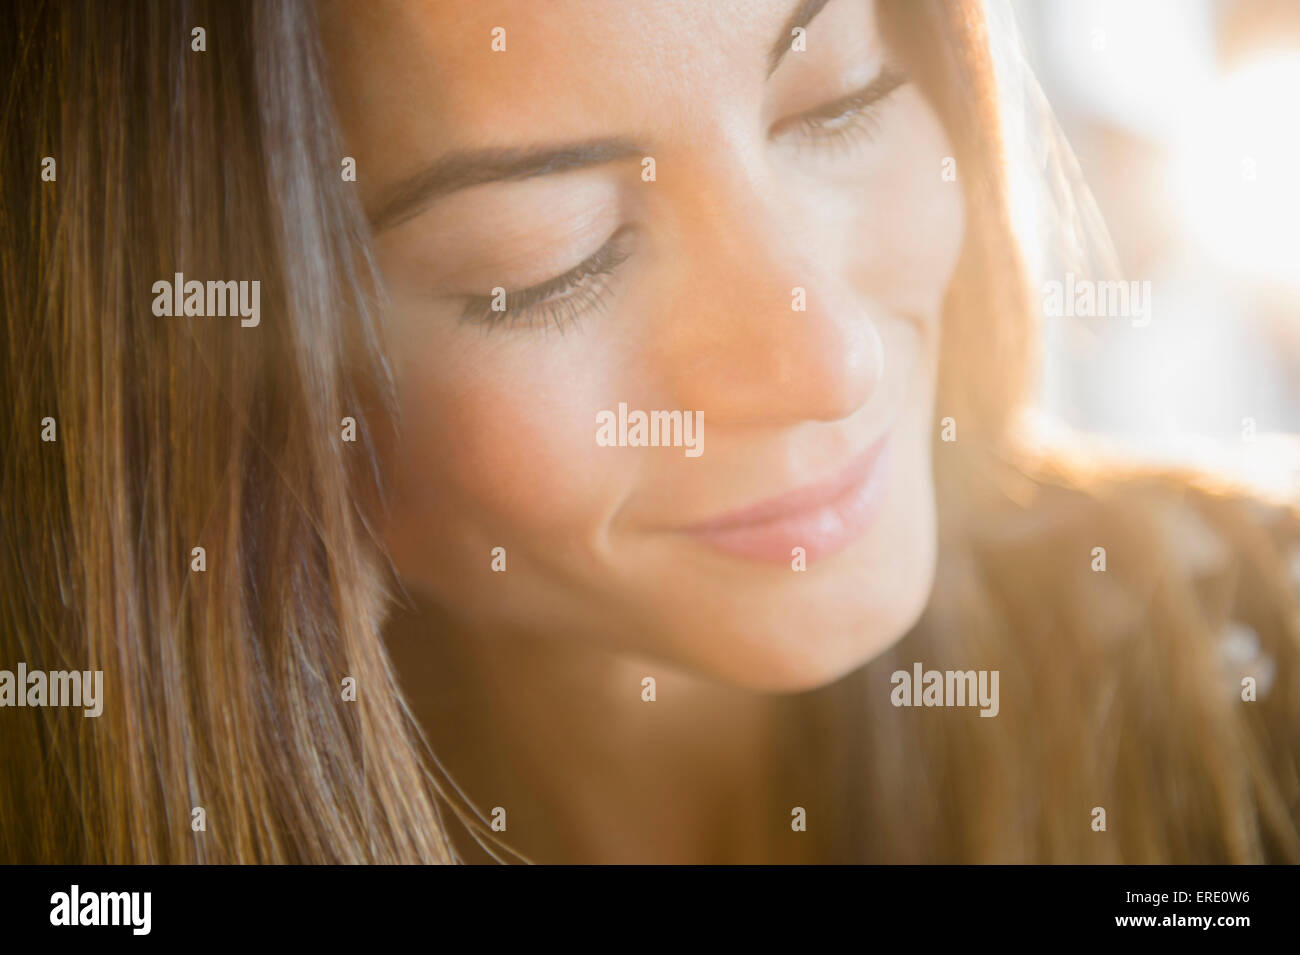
pixel 844 120
pixel 560 301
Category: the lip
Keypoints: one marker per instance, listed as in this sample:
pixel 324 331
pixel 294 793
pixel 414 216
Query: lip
pixel 822 518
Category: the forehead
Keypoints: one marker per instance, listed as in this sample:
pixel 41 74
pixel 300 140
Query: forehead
pixel 450 41
pixel 414 77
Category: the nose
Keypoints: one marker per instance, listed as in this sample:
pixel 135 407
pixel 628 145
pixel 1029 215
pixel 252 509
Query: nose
pixel 733 342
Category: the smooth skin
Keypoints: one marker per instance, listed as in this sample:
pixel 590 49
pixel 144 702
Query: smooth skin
pixel 757 191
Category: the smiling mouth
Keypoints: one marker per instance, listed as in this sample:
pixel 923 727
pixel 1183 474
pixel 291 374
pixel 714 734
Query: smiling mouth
pixel 821 518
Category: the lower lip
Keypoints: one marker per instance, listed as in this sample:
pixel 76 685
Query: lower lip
pixel 820 531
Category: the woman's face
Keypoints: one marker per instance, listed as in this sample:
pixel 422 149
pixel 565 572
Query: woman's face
pixel 775 284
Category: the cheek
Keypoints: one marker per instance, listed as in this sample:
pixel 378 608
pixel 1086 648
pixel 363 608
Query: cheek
pixel 910 220
pixel 498 447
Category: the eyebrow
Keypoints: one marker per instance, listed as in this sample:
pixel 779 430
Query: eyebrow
pixel 459 170
pixel 802 16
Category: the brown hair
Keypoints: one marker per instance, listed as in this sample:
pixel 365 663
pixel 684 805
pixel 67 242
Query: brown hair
pixel 1116 693
pixel 225 685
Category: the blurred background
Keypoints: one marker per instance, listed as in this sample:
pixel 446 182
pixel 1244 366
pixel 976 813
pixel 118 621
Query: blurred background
pixel 1185 118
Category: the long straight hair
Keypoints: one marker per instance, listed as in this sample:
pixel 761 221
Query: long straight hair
pixel 224 685
pixel 1122 735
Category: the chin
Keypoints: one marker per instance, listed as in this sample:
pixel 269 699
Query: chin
pixel 793 649
pixel 819 666
pixel 810 630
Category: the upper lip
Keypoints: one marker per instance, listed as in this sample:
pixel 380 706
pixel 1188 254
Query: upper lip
pixel 802 500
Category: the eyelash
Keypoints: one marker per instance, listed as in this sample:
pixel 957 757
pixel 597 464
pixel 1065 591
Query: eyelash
pixel 557 302
pixel 860 108
pixel 566 299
